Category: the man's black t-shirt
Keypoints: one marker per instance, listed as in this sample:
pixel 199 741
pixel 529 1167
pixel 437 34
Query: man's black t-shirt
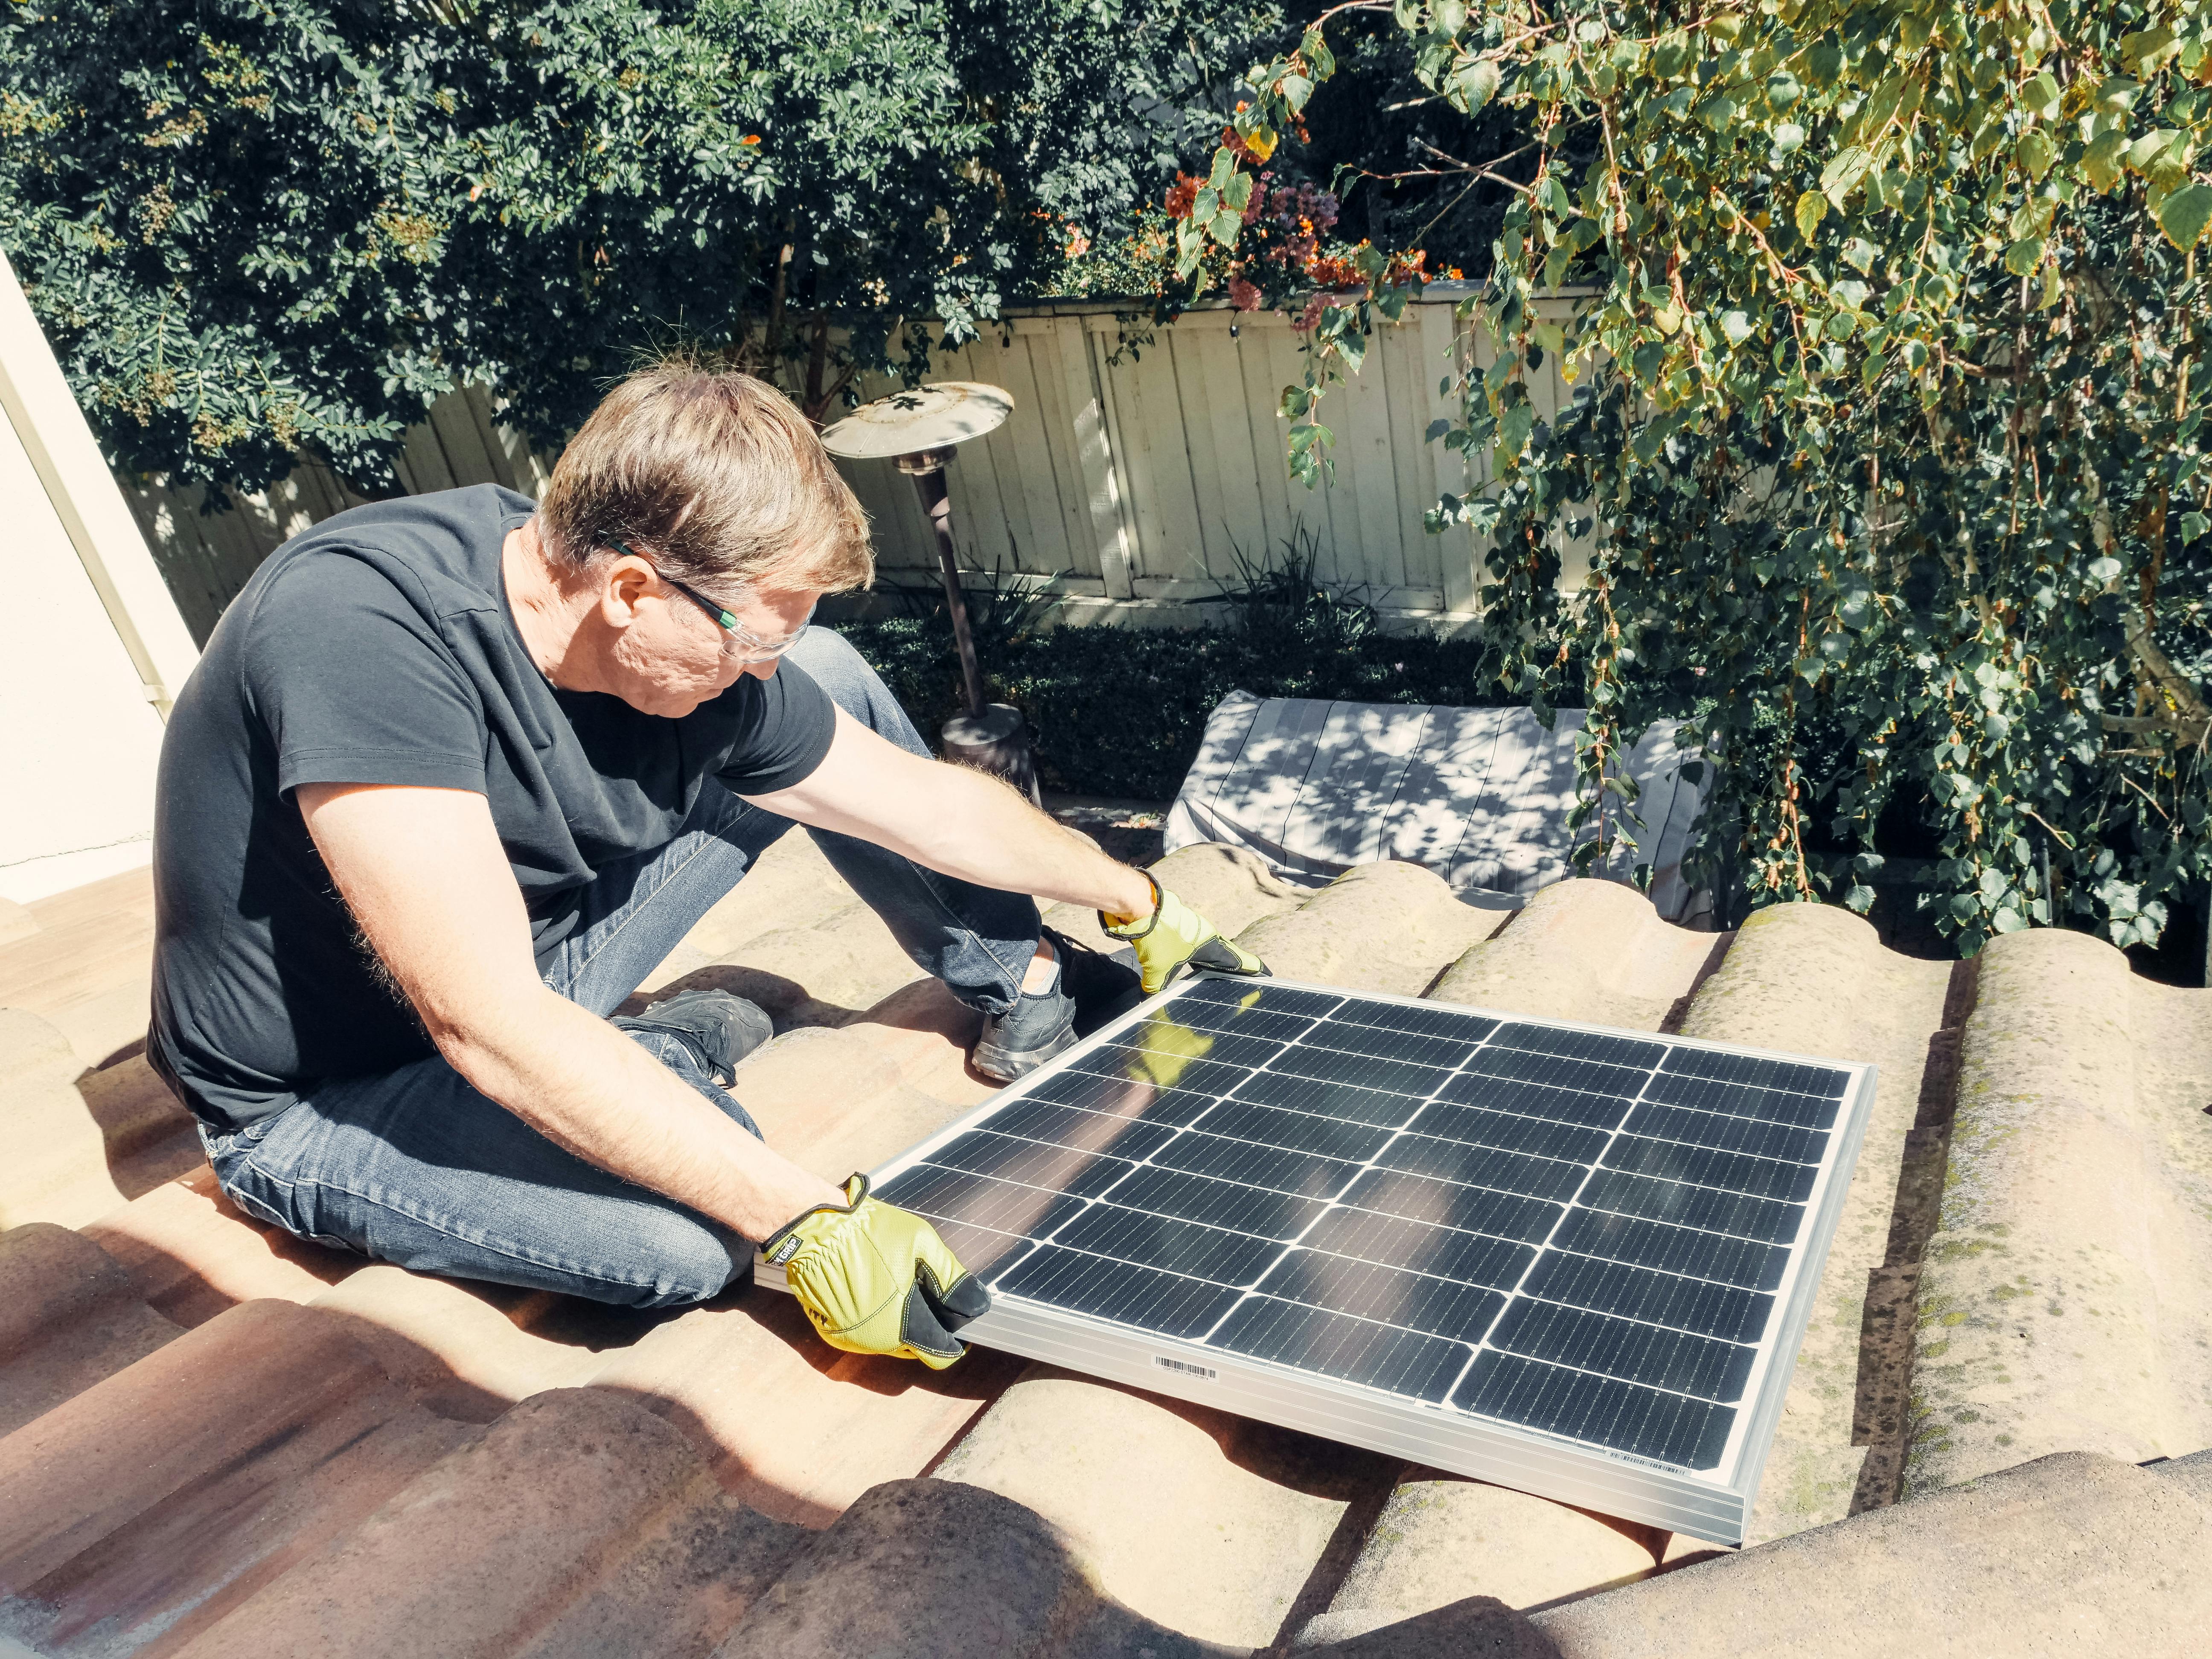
pixel 379 648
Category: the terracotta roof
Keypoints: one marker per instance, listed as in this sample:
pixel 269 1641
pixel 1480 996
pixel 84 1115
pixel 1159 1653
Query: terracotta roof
pixel 216 1441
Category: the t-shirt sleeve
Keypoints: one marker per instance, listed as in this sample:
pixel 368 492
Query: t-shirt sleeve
pixel 354 685
pixel 792 725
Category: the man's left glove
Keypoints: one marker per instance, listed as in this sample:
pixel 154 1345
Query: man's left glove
pixel 875 1279
pixel 1173 935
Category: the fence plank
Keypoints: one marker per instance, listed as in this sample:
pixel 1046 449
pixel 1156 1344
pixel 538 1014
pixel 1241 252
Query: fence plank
pixel 1218 514
pixel 1023 449
pixel 1444 351
pixel 988 518
pixel 1373 559
pixel 1101 483
pixel 1412 491
pixel 1041 340
pixel 1146 423
pixel 1262 352
pixel 1240 524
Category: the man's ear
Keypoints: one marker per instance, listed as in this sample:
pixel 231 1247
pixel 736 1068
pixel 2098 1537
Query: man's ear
pixel 624 584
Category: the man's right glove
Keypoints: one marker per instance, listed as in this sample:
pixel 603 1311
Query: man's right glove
pixel 1175 935
pixel 875 1279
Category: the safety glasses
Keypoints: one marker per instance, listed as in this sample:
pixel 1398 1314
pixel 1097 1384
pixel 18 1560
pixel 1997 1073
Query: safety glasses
pixel 737 641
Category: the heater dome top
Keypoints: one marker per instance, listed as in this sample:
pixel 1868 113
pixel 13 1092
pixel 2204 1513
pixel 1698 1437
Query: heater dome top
pixel 926 417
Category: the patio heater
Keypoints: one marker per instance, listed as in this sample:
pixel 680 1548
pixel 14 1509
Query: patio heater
pixel 916 430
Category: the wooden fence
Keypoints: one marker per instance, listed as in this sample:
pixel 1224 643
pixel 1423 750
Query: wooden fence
pixel 1130 478
pixel 207 556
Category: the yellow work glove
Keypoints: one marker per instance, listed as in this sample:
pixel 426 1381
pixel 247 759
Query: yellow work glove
pixel 875 1279
pixel 1173 936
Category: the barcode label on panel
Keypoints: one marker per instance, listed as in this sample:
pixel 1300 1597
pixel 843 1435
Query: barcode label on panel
pixel 1184 1368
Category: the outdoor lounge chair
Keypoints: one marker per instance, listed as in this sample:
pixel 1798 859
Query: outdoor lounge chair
pixel 1481 796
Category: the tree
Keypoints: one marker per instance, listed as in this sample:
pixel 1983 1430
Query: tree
pixel 233 223
pixel 1886 434
pixel 252 226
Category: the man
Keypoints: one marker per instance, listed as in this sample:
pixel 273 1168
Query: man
pixel 456 773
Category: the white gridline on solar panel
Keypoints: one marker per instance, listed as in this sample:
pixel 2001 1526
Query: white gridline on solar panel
pixel 1320 1028
pixel 1589 1168
pixel 1486 1046
pixel 1538 1250
pixel 1317 1038
pixel 1518 1292
pixel 1515 1293
pixel 1285 1247
pixel 1433 1099
pixel 1329 1205
pixel 1197 1126
pixel 1513 1034
pixel 1028 1246
pixel 1338 1200
pixel 1436 1098
pixel 1475 1349
pixel 1341 1015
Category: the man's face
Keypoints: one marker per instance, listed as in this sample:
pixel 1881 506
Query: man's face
pixel 671 654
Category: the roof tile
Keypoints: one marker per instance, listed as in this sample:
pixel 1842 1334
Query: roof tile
pixel 1589 951
pixel 791 1427
pixel 1441 1539
pixel 1204 1523
pixel 68 1316
pixel 2067 1299
pixel 262 1379
pixel 2067 1554
pixel 542 1520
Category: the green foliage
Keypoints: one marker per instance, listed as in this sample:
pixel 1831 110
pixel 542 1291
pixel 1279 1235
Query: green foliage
pixel 232 222
pixel 1887 421
pixel 251 226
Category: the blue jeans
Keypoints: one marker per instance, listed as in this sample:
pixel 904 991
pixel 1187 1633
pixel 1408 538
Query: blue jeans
pixel 418 1168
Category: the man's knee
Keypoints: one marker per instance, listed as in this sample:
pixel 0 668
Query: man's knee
pixel 832 663
pixel 681 1259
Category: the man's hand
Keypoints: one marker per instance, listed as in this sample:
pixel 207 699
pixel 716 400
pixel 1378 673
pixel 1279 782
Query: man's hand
pixel 425 876
pixel 1171 935
pixel 875 1279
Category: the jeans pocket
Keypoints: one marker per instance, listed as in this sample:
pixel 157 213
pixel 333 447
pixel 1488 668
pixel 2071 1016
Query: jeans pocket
pixel 248 1185
pixel 255 1194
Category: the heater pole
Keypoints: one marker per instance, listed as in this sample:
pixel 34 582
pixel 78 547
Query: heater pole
pixel 928 471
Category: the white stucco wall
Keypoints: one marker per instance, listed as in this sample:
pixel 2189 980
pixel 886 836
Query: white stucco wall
pixel 78 737
pixel 91 643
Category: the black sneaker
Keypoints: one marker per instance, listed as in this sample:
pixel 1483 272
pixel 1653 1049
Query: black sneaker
pixel 1102 985
pixel 718 1028
pixel 1087 990
pixel 1039 1025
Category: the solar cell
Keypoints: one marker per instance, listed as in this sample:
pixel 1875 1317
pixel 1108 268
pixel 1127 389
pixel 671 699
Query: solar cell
pixel 1575 1260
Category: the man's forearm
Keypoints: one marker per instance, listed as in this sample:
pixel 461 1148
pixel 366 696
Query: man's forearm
pixel 563 1071
pixel 987 834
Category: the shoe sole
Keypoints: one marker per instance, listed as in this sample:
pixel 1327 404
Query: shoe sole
pixel 1011 1064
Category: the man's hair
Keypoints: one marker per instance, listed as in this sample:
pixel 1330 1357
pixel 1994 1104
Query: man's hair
pixel 715 477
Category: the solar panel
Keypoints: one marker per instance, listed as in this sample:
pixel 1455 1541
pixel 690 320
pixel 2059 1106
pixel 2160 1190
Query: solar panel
pixel 1571 1261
